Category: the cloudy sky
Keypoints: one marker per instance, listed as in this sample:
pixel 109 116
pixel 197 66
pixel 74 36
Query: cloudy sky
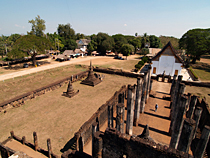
pixel 154 17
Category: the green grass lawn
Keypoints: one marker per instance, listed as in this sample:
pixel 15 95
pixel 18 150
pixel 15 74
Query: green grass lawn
pixel 203 75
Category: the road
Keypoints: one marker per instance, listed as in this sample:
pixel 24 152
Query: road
pixel 45 67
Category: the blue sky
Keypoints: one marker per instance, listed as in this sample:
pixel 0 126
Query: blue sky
pixel 154 17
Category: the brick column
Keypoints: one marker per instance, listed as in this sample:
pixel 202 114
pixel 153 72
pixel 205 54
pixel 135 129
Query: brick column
pixel 35 141
pixel 94 129
pixel 192 104
pixel 150 87
pixel 142 105
pixel 178 123
pixel 137 102
pixel 120 117
pixel 110 115
pixel 148 83
pixel 77 136
pixel 49 148
pixel 201 147
pixel 97 145
pixel 174 108
pixel 121 97
pixel 173 84
pixel 186 135
pixel 197 117
pixel 130 108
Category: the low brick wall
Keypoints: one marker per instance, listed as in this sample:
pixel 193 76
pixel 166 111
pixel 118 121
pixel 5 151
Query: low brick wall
pixel 100 116
pixel 116 144
pixel 20 100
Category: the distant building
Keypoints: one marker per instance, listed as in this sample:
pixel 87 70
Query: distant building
pixel 167 61
pixel 82 44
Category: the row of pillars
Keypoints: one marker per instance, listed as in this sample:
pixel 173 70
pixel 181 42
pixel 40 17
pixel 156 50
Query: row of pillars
pixel 36 143
pixel 184 123
pixel 137 96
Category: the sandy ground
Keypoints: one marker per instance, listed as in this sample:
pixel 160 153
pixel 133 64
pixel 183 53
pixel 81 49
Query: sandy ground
pixel 97 60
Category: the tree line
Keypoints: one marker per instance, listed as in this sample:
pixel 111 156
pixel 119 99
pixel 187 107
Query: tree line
pixel 195 42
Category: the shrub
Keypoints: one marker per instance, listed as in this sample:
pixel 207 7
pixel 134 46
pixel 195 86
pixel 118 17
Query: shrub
pixel 141 62
pixel 144 59
pixel 137 66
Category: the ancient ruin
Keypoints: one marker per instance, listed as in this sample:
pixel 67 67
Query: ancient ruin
pixel 70 91
pixel 92 79
pixel 189 118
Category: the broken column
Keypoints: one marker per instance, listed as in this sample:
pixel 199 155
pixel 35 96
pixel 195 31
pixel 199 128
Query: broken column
pixel 201 147
pixel 197 117
pixel 186 135
pixel 121 97
pixel 120 117
pixel 94 129
pixel 178 123
pixel 174 108
pixel 142 105
pixel 110 115
pixel 35 141
pixel 77 136
pixel 130 108
pixel 192 104
pixel 137 102
pixel 97 145
pixel 173 84
pixel 49 148
pixel 148 83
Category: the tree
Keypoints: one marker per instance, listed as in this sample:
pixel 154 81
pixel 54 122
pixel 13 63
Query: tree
pixel 127 49
pixel 119 40
pixel 29 45
pixel 92 46
pixel 165 39
pixel 107 44
pixel 80 36
pixel 154 41
pixel 145 51
pixel 145 39
pixel 71 44
pixel 136 34
pixel 136 42
pixel 196 42
pixel 38 26
pixel 66 31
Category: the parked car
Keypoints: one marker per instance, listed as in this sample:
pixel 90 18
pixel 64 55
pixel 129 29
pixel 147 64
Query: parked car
pixel 117 57
pixel 25 65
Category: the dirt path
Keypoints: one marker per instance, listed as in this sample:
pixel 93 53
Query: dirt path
pixel 97 60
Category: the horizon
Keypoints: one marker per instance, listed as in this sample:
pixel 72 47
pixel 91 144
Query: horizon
pixel 154 17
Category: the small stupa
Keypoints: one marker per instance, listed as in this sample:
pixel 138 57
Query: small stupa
pixel 91 80
pixel 145 134
pixel 70 91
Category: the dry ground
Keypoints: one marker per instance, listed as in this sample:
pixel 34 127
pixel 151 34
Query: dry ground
pixel 57 117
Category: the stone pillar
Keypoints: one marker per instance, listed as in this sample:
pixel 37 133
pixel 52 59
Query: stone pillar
pixel 142 105
pixel 150 87
pixel 77 136
pixel 169 78
pixel 201 147
pixel 94 129
pixel 148 83
pixel 174 108
pixel 121 98
pixel 23 140
pixel 197 117
pixel 189 99
pixel 12 134
pixel 186 135
pixel 97 145
pixel 163 78
pixel 35 141
pixel 178 123
pixel 137 102
pixel 120 117
pixel 81 144
pixel 110 115
pixel 176 90
pixel 192 104
pixel 173 84
pixel 49 148
pixel 130 108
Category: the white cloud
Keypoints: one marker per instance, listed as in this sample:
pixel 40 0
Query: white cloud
pixel 125 24
pixel 17 25
pixel 23 27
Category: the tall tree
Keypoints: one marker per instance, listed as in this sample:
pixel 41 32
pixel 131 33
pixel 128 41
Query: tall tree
pixel 66 31
pixel 127 49
pixel 154 41
pixel 119 40
pixel 38 26
pixel 196 42
pixel 30 45
pixel 107 44
pixel 145 39
pixel 136 42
